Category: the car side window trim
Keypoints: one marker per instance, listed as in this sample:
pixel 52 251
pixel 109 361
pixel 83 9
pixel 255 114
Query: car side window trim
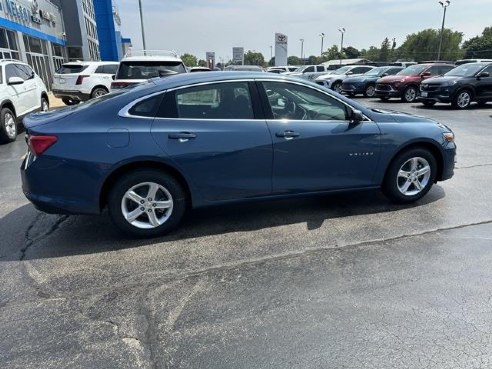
pixel 125 111
pixel 267 109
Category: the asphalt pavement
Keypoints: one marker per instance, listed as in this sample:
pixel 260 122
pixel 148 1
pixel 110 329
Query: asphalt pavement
pixel 339 281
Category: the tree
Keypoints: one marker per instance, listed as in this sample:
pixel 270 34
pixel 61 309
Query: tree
pixel 424 45
pixel 385 49
pixel 480 46
pixel 294 60
pixel 189 60
pixel 254 58
pixel 314 60
pixel 271 63
pixel 331 53
pixel 351 52
pixel 202 63
pixel 372 53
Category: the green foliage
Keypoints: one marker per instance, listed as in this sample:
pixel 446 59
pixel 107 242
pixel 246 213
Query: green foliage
pixel 351 52
pixel 331 53
pixel 271 63
pixel 202 63
pixel 372 54
pixel 384 52
pixel 424 45
pixel 480 46
pixel 254 58
pixel 189 60
pixel 294 60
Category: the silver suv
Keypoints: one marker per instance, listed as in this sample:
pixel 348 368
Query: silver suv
pixel 21 92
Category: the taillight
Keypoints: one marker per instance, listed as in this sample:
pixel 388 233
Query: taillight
pixel 80 79
pixel 39 144
pixel 116 85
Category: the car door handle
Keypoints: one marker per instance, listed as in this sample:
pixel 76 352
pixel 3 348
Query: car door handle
pixel 287 134
pixel 182 136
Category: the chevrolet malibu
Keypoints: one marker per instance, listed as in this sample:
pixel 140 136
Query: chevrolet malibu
pixel 193 140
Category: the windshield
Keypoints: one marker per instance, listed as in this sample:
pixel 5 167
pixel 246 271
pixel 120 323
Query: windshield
pixel 341 70
pixel 376 71
pixel 413 70
pixel 465 70
pixel 149 69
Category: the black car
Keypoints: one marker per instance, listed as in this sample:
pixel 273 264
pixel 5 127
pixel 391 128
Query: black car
pixel 460 86
pixel 366 84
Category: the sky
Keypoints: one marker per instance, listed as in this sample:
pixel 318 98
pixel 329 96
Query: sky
pixel 194 26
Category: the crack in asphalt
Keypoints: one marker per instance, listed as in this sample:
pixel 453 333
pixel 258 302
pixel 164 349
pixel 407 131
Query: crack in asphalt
pixel 30 241
pixel 474 166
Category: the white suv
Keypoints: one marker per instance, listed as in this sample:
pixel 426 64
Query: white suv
pixel 141 65
pixel 21 92
pixel 334 79
pixel 80 81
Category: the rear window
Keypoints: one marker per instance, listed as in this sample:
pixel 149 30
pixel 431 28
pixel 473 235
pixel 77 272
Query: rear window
pixel 149 69
pixel 71 68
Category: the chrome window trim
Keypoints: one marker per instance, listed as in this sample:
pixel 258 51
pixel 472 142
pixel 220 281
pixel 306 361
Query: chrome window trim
pixel 124 112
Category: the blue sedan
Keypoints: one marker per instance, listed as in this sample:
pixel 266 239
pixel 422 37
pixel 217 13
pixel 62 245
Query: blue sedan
pixel 193 140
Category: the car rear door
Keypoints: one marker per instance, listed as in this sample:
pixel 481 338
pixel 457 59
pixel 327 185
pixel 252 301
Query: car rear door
pixel 484 85
pixel 211 132
pixel 32 98
pixel 315 146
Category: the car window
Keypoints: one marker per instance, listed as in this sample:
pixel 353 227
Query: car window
pixel 320 68
pixel 359 70
pixel 488 69
pixel 71 68
pixel 392 71
pixel 99 69
pixel 295 102
pixel 444 69
pixel 111 68
pixel 149 69
pixel 229 100
pixel 147 107
pixel 434 70
pixel 308 70
pixel 10 71
pixel 23 71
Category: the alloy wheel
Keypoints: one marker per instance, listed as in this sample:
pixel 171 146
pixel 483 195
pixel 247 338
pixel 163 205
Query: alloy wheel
pixel 463 99
pixel 44 105
pixel 147 205
pixel 370 90
pixel 410 94
pixel 413 176
pixel 10 125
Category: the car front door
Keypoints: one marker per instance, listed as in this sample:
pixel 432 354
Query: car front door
pixel 15 92
pixel 484 85
pixel 32 98
pixel 212 134
pixel 315 145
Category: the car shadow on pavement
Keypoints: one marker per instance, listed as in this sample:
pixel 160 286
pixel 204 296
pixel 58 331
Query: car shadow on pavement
pixel 35 235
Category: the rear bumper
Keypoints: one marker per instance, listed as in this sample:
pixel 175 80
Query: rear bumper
pixel 73 95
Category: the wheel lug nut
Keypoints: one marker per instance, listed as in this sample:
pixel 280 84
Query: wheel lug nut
pixel 150 210
pixel 150 199
pixel 154 205
pixel 142 202
pixel 142 208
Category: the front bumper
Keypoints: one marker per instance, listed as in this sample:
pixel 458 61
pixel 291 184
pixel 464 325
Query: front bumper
pixel 449 160
pixel 352 88
pixel 388 91
pixel 73 95
pixel 443 95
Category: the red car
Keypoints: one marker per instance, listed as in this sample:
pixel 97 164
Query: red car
pixel 406 83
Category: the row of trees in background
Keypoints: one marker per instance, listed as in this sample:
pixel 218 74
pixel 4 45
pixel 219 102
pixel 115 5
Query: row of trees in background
pixel 417 47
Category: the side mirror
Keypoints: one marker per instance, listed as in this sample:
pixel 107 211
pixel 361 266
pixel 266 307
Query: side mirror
pixel 483 74
pixel 349 73
pixel 425 74
pixel 384 75
pixel 356 116
pixel 113 77
pixel 15 81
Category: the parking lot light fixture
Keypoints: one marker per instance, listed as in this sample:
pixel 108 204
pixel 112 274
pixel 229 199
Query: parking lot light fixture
pixel 142 24
pixel 302 49
pixel 445 5
pixel 342 31
pixel 322 35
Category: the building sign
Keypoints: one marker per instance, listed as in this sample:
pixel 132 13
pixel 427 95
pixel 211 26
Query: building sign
pixel 280 49
pixel 210 55
pixel 238 55
pixel 17 10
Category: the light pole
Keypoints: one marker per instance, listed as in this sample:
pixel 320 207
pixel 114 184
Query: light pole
pixel 271 52
pixel 322 35
pixel 342 31
pixel 302 49
pixel 142 24
pixel 445 5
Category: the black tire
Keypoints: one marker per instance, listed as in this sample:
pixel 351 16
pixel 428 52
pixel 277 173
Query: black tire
pixel 384 98
pixel 428 104
pixel 98 91
pixel 392 180
pixel 410 94
pixel 45 104
pixel 68 101
pixel 175 193
pixel 370 90
pixel 337 86
pixel 462 100
pixel 350 94
pixel 8 128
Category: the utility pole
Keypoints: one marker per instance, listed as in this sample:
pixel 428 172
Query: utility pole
pixel 302 49
pixel 142 24
pixel 445 5
pixel 342 31
pixel 322 35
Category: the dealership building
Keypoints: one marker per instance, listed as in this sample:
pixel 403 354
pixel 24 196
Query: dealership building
pixel 47 33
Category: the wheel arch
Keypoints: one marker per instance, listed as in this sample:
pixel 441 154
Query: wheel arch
pixel 99 86
pixel 141 164
pixel 44 94
pixel 9 104
pixel 471 89
pixel 428 145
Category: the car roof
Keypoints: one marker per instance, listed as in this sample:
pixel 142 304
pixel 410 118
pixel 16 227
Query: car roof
pixel 162 58
pixel 90 62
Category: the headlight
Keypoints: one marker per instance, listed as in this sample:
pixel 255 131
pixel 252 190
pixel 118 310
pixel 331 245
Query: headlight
pixel 451 83
pixel 448 136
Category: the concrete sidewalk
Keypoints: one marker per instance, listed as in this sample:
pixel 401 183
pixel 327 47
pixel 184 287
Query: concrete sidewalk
pixel 54 101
